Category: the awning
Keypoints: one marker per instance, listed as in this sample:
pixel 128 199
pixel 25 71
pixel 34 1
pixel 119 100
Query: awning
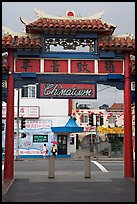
pixel 70 126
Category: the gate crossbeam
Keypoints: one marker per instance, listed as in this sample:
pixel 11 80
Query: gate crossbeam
pixel 21 79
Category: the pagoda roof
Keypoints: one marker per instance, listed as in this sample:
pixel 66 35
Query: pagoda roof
pixel 52 26
pixel 68 24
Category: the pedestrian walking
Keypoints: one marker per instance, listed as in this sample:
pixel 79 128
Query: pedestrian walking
pixel 54 150
pixel 45 151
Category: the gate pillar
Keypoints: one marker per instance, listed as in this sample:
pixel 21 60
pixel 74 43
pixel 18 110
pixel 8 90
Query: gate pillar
pixel 9 138
pixel 128 149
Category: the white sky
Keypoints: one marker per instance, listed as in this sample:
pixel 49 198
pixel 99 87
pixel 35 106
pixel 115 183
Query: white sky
pixel 121 14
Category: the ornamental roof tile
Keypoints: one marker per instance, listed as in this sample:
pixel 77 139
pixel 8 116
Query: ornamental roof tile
pixel 35 41
pixel 21 42
pixel 46 24
pixel 116 43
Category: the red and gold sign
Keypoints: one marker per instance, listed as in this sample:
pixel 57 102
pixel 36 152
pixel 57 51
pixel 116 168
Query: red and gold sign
pixel 110 66
pixel 53 90
pixel 27 65
pixel 60 66
pixel 76 66
pixel 82 66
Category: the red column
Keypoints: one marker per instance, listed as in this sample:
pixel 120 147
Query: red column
pixel 128 149
pixel 9 139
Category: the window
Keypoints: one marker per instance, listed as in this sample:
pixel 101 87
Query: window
pixel 28 91
pixel 111 119
pixel 84 119
pixel 71 140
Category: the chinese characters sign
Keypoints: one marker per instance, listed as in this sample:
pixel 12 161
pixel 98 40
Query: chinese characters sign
pixel 28 65
pixel 110 66
pixel 70 66
pixel 47 90
pixel 56 66
pixel 82 66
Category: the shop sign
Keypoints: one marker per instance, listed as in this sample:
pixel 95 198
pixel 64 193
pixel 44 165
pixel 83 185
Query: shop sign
pixel 29 152
pixel 38 123
pixel 112 130
pixel 53 90
pixel 24 111
pixel 40 138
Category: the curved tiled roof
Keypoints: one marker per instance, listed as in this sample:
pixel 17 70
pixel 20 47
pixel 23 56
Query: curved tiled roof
pixel 47 24
pixel 116 43
pixel 68 24
pixel 31 41
pixel 104 43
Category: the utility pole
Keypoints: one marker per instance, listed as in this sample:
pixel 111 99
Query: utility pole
pixel 97 138
pixel 17 137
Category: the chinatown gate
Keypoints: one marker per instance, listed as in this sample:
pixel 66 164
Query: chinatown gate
pixel 68 73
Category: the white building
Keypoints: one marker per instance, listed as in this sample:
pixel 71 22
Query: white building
pixel 40 115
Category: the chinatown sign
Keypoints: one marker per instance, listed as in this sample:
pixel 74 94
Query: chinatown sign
pixel 53 90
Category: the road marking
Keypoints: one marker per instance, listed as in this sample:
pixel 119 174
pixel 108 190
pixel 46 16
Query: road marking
pixel 2 167
pixel 100 166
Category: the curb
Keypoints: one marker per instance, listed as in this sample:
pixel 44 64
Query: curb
pixel 6 184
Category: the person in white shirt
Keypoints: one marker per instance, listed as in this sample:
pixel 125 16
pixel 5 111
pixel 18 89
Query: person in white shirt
pixel 45 151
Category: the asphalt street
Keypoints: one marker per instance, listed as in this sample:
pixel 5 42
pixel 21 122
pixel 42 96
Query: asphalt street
pixel 106 184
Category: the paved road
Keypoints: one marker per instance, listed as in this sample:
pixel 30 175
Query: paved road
pixel 32 184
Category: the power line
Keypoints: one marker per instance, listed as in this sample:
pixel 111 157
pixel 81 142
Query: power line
pixel 103 89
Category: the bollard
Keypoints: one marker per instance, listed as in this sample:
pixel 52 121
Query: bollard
pixel 109 150
pixel 51 172
pixel 87 166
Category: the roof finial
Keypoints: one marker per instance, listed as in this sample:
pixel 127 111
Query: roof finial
pixel 70 13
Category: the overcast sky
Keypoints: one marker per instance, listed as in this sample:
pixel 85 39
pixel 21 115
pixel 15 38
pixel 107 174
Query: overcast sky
pixel 121 14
